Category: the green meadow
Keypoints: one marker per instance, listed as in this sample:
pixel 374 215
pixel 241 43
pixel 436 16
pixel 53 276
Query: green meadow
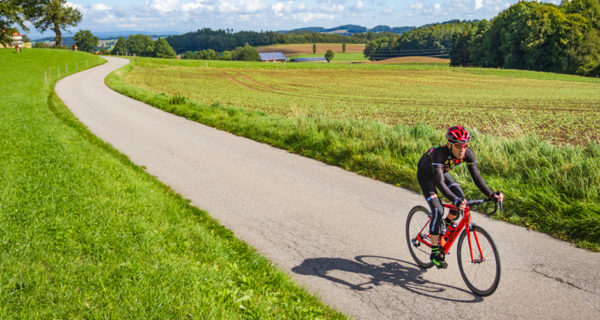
pixel 535 134
pixel 86 234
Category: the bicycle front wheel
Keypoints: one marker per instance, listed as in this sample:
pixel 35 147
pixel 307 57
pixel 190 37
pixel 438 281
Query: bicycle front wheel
pixel 478 261
pixel 417 225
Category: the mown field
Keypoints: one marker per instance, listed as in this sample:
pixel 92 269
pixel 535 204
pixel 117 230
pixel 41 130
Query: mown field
pixel 85 234
pixel 536 134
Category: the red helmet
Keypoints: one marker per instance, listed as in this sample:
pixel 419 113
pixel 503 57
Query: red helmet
pixel 458 134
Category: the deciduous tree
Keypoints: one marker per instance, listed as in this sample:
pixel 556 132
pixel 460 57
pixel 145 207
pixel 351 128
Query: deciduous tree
pixel 85 40
pixel 162 49
pixel 55 15
pixel 120 47
pixel 329 55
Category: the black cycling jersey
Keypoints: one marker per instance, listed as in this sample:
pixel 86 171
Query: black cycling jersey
pixel 437 161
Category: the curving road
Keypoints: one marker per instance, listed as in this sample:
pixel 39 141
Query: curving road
pixel 339 234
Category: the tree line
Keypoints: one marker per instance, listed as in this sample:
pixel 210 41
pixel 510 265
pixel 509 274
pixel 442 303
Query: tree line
pixel 535 36
pixel 141 45
pixel 245 53
pixel 430 40
pixel 226 40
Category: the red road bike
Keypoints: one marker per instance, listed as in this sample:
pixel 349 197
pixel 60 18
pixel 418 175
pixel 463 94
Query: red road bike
pixel 478 258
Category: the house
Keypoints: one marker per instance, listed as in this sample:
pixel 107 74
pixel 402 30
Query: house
pixel 315 59
pixel 17 39
pixel 272 57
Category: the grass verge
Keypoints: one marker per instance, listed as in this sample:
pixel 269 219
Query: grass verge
pixel 553 189
pixel 85 233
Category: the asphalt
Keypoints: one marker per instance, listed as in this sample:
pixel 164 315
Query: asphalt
pixel 336 233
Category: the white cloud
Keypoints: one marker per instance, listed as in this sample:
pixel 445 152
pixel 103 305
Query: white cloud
pixel 478 4
pixel 241 6
pixel 163 6
pixel 359 5
pixel 332 7
pixel 310 17
pixel 100 7
pixel 196 5
pixel 417 6
pixel 76 6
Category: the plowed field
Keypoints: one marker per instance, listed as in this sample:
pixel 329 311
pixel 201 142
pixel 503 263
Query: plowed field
pixel 561 111
pixel 307 48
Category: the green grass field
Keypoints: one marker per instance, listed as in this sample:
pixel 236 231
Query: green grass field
pixel 85 234
pixel 535 134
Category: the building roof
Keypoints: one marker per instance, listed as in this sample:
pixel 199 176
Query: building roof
pixel 268 56
pixel 315 59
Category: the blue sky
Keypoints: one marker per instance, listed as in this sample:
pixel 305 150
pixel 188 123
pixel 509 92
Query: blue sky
pixel 257 15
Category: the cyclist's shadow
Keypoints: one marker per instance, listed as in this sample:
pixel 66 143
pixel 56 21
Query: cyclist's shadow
pixel 378 270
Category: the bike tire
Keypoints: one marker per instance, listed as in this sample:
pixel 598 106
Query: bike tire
pixel 482 277
pixel 417 218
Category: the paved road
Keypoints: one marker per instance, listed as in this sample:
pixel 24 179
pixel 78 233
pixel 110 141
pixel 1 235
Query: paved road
pixel 338 234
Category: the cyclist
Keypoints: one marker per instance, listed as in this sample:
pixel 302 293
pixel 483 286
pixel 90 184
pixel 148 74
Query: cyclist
pixel 433 173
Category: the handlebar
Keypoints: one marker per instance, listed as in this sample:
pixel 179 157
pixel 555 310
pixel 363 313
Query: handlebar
pixel 477 202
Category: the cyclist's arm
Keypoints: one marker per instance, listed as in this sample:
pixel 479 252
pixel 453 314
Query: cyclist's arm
pixel 475 175
pixel 440 183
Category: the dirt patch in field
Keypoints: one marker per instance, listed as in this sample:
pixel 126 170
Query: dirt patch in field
pixel 415 60
pixel 306 48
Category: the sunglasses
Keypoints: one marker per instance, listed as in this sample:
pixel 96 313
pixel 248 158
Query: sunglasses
pixel 461 145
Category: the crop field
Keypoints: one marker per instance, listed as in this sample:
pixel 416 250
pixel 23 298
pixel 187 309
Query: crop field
pixel 497 104
pixel 338 57
pixel 307 48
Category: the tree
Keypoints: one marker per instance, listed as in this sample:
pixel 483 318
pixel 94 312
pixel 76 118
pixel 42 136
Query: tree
pixel 85 40
pixel 188 55
pixel 344 47
pixel 246 53
pixel 226 55
pixel 140 45
pixel 55 15
pixel 120 47
pixel 11 13
pixel 162 49
pixel 329 55
pixel 314 48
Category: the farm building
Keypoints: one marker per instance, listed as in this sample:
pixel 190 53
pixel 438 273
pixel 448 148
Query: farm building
pixel 315 59
pixel 272 57
pixel 17 39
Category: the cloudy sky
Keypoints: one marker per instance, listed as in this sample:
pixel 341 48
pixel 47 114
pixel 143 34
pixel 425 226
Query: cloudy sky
pixel 257 15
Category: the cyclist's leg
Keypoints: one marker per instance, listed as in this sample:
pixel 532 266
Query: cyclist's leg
pixel 457 190
pixel 435 205
pixel 437 211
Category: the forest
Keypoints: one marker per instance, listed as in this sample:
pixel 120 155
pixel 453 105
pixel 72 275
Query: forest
pixel 221 40
pixel 535 36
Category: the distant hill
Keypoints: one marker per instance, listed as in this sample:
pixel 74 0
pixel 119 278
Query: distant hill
pixel 107 35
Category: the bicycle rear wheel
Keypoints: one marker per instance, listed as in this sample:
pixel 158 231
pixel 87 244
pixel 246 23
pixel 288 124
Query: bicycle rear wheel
pixel 416 224
pixel 481 271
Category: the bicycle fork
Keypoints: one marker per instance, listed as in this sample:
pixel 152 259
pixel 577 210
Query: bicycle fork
pixel 481 257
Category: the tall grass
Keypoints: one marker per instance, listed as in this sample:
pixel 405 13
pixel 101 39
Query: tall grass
pixel 84 233
pixel 554 189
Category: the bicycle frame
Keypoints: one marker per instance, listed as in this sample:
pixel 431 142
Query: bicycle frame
pixel 465 223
